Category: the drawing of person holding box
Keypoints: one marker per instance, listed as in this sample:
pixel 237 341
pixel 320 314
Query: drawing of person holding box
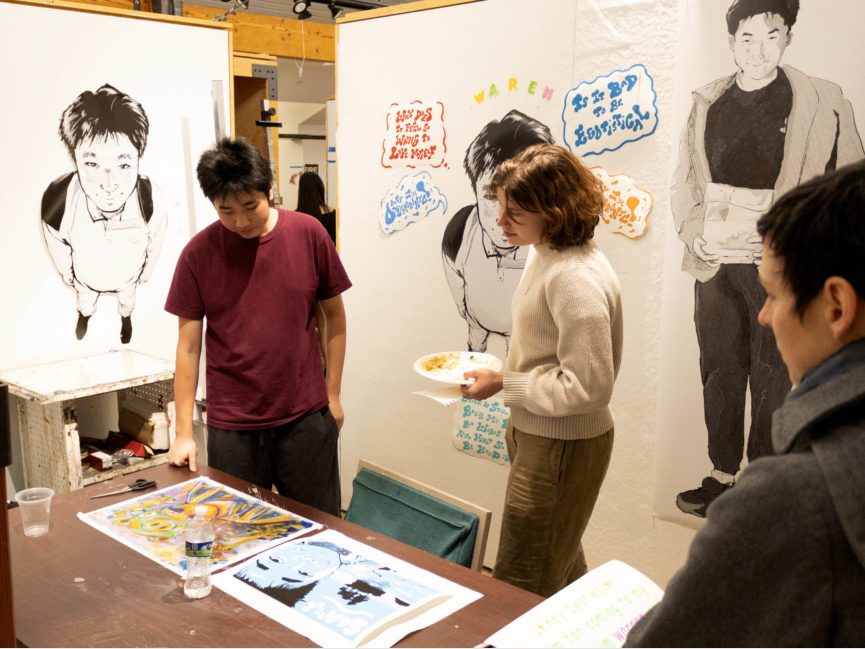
pixel 750 137
pixel 103 223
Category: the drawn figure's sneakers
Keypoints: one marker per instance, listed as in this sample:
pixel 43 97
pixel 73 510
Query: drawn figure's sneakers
pixel 125 329
pixel 81 326
pixel 696 501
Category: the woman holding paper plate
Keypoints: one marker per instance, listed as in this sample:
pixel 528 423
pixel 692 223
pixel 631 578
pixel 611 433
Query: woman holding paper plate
pixel 565 352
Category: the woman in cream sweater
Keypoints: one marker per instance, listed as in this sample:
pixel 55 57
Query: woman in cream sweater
pixel 565 352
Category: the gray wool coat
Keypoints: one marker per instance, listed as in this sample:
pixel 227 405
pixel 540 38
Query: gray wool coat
pixel 780 559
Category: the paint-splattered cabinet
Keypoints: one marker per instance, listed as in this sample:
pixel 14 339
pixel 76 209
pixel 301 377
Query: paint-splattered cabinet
pixel 46 401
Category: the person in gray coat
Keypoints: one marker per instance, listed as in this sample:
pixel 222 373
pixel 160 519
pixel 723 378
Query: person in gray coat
pixel 780 559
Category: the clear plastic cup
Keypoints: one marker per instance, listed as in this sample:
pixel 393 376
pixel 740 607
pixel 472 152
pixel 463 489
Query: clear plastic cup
pixel 35 507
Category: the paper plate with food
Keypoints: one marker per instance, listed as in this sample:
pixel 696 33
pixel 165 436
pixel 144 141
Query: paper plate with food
pixel 448 367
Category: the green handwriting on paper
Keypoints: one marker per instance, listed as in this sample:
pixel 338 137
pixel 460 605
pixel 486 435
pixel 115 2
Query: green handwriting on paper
pixel 479 429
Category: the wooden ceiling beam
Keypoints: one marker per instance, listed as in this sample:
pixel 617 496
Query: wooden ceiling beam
pixel 291 38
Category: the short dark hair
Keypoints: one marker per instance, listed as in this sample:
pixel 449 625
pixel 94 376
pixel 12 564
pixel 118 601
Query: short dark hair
pixel 743 9
pixel 233 167
pixel 310 194
pixel 818 231
pixel 101 114
pixel 551 181
pixel 503 139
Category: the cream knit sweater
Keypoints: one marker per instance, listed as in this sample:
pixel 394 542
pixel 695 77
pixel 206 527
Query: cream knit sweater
pixel 566 345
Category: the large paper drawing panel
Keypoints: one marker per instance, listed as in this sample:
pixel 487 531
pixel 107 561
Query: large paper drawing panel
pixel 712 433
pixel 493 68
pixel 133 219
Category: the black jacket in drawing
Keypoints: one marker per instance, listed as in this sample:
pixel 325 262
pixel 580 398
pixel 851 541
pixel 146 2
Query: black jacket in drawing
pixel 95 254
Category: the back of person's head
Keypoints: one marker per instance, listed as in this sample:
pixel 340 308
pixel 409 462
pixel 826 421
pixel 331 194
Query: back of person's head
pixel 818 231
pixel 744 9
pixel 551 181
pixel 96 116
pixel 233 168
pixel 310 194
pixel 503 139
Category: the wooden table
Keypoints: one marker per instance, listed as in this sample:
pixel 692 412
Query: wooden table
pixel 77 587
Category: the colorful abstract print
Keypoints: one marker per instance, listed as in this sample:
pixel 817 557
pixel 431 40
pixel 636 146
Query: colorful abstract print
pixel 155 524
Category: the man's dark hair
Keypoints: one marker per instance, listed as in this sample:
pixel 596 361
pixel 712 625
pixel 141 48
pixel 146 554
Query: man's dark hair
pixel 102 114
pixel 743 9
pixel 233 167
pixel 818 231
pixel 500 140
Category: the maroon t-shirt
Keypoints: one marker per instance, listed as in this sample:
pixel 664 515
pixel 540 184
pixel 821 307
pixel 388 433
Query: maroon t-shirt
pixel 257 296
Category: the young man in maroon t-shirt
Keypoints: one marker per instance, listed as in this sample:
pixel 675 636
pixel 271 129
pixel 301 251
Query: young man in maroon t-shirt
pixel 257 276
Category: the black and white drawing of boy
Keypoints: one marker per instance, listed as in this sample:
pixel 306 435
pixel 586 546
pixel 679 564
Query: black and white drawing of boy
pixel 750 137
pixel 481 267
pixel 321 570
pixel 104 223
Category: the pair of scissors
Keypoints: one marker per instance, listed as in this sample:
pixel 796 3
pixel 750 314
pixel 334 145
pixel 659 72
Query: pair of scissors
pixel 138 485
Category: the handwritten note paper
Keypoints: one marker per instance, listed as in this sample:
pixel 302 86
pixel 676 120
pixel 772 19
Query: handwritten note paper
pixel 597 610
pixel 415 135
pixel 609 111
pixel 479 429
pixel 626 205
pixel 412 200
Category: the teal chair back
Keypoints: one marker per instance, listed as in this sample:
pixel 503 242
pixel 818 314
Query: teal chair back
pixel 389 504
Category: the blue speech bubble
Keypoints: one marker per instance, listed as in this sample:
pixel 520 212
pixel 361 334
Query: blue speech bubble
pixel 611 110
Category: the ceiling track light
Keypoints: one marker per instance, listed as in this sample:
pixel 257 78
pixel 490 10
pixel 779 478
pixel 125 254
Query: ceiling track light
pixel 301 9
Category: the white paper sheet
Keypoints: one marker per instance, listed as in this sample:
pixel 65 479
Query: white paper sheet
pixel 447 395
pixel 339 592
pixel 597 610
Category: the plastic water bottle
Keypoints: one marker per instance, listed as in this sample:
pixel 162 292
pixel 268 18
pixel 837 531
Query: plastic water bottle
pixel 199 548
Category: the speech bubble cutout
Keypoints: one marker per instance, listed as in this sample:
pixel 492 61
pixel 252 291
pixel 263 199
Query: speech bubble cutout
pixel 626 205
pixel 415 135
pixel 479 429
pixel 412 200
pixel 611 110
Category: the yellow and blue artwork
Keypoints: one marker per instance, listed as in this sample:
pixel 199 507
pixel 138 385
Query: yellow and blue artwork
pixel 155 524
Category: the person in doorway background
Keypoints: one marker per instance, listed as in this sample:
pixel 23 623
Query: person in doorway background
pixel 781 559
pixel 564 357
pixel 482 268
pixel 750 136
pixel 256 275
pixel 104 223
pixel 311 200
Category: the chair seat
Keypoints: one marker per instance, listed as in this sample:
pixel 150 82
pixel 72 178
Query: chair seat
pixel 402 512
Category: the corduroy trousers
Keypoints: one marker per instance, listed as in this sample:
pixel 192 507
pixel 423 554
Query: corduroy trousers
pixel 552 489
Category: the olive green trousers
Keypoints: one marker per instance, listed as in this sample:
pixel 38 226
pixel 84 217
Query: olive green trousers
pixel 551 492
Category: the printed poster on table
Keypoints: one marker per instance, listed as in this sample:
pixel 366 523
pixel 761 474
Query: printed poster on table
pixel 597 610
pixel 154 524
pixel 341 593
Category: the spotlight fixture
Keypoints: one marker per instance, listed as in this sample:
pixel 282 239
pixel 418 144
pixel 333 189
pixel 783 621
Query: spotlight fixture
pixel 301 9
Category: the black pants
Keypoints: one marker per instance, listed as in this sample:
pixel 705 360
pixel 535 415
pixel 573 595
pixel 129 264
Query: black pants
pixel 301 458
pixel 737 353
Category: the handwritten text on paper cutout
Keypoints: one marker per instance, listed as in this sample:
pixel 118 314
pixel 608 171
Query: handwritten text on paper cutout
pixel 415 135
pixel 479 429
pixel 610 111
pixel 412 200
pixel 626 205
